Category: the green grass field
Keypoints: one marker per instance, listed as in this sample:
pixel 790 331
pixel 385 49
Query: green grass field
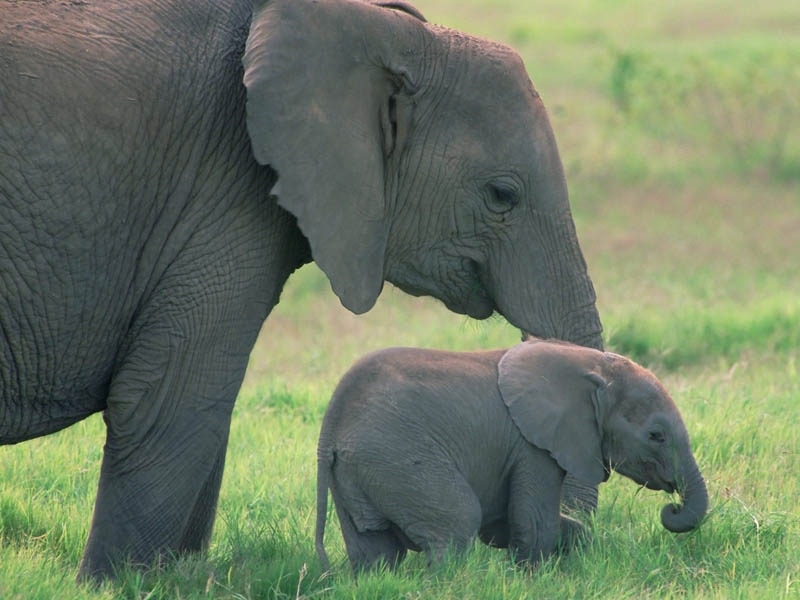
pixel 679 127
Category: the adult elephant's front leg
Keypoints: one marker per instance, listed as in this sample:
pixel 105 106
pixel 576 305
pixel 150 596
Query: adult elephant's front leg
pixel 168 416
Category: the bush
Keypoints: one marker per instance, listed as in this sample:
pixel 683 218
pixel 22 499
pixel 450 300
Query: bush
pixel 707 337
pixel 740 105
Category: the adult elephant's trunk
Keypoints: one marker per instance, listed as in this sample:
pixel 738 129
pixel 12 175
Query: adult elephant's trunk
pixel 538 276
pixel 686 516
pixel 556 298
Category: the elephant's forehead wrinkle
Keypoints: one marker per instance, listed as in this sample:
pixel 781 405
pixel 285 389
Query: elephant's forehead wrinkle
pixel 466 64
pixel 496 61
pixel 657 408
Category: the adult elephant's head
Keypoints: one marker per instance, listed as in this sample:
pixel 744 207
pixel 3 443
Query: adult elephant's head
pixel 418 155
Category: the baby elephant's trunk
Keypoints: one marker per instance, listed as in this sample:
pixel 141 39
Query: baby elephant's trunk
pixel 686 516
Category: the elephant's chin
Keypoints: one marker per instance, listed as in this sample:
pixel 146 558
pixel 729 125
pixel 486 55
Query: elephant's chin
pixel 479 311
pixel 478 306
pixel 467 299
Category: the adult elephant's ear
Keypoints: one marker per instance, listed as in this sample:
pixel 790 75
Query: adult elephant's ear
pixel 555 395
pixel 322 83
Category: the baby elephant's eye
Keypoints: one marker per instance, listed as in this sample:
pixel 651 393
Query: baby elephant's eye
pixel 656 436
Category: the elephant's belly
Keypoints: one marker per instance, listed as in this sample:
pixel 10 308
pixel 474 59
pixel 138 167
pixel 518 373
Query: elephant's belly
pixel 19 426
pixel 47 387
pixel 48 410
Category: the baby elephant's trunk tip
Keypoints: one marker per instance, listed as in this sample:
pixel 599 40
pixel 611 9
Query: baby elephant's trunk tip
pixel 680 518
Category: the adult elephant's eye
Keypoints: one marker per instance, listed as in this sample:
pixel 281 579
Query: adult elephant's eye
pixel 656 436
pixel 501 198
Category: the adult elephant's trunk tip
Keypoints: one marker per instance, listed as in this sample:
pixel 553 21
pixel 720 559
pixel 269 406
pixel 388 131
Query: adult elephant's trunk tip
pixel 680 518
pixel 590 340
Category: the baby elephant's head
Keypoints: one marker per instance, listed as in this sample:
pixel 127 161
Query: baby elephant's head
pixel 595 411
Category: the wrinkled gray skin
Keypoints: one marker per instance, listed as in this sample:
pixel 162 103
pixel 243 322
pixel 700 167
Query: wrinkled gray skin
pixel 144 240
pixel 425 449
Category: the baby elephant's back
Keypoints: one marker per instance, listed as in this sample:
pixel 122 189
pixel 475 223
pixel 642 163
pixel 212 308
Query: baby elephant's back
pixel 415 395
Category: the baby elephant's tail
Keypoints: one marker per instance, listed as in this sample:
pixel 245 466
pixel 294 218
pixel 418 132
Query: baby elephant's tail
pixel 324 466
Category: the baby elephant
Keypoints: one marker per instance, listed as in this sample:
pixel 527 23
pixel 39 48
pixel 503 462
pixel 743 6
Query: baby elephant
pixel 424 449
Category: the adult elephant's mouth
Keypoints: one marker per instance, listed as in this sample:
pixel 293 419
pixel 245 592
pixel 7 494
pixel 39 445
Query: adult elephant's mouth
pixel 461 291
pixel 475 305
pixel 474 302
pixel 479 311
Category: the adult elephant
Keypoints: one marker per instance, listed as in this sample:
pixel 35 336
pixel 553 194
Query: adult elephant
pixel 144 239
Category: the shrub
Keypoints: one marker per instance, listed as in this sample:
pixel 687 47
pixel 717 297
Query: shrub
pixel 740 105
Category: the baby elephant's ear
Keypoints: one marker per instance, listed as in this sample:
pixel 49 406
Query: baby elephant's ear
pixel 553 393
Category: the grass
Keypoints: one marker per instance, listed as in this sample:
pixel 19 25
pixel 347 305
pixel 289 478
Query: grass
pixel 743 421
pixel 678 127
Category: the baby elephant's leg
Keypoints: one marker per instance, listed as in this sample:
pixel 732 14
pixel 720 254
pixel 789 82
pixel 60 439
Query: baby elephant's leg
pixel 392 506
pixel 369 538
pixel 368 549
pixel 534 518
pixel 447 519
pixel 573 534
